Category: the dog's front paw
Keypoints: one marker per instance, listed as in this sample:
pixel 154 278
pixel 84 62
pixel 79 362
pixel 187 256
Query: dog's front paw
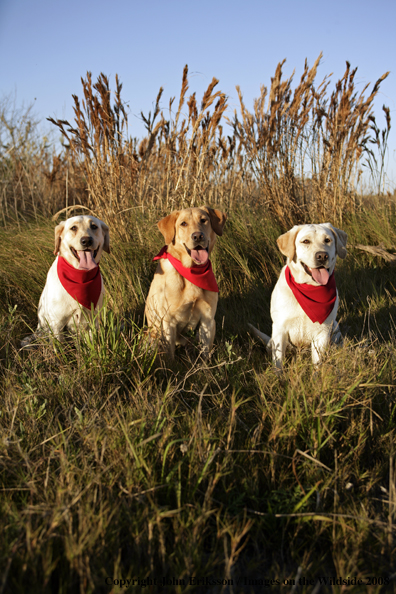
pixel 27 343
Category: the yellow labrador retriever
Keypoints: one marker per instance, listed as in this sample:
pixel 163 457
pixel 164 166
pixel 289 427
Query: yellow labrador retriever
pixel 184 292
pixel 74 281
pixel 304 301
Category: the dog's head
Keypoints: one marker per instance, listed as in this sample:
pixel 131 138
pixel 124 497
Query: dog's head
pixel 312 251
pixel 81 241
pixel 190 234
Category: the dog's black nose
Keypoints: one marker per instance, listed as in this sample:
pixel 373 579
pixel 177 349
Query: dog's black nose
pixel 197 236
pixel 322 257
pixel 86 241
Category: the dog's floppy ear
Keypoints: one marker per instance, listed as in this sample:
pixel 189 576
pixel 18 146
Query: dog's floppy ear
pixel 287 242
pixel 217 219
pixel 58 232
pixel 341 239
pixel 106 233
pixel 167 226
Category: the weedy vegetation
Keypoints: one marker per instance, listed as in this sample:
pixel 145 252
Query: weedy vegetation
pixel 116 465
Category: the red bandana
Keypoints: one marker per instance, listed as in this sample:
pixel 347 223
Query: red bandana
pixel 201 276
pixel 84 286
pixel 317 302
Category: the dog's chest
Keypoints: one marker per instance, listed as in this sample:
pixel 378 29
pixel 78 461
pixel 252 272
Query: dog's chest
pixel 192 307
pixel 179 299
pixel 301 332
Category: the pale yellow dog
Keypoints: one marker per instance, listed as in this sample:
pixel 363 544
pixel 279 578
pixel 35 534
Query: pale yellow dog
pixel 304 302
pixel 73 282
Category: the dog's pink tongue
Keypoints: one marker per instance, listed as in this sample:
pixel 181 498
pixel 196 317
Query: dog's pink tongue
pixel 200 256
pixel 86 261
pixel 321 275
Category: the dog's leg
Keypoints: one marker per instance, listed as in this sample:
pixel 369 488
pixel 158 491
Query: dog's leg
pixel 169 338
pixel 319 345
pixel 206 334
pixel 336 336
pixel 52 317
pixel 279 342
pixel 48 327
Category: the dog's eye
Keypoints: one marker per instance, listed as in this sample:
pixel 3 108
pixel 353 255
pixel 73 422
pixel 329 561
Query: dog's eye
pixel 74 228
pixel 306 241
pixel 327 240
pixel 183 224
pixel 94 226
pixel 203 221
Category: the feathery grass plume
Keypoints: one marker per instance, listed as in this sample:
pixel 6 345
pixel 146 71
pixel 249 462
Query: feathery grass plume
pixel 183 91
pixel 375 161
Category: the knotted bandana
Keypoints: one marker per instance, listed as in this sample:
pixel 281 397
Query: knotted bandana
pixel 317 302
pixel 201 276
pixel 83 285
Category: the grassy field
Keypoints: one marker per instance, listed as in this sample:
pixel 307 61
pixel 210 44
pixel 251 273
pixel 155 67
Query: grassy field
pixel 118 466
pixel 120 471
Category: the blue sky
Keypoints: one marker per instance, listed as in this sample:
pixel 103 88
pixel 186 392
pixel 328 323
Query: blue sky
pixel 46 46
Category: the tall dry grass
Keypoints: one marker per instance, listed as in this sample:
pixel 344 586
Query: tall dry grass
pixel 300 152
pixel 35 179
pixel 173 165
pixel 304 147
